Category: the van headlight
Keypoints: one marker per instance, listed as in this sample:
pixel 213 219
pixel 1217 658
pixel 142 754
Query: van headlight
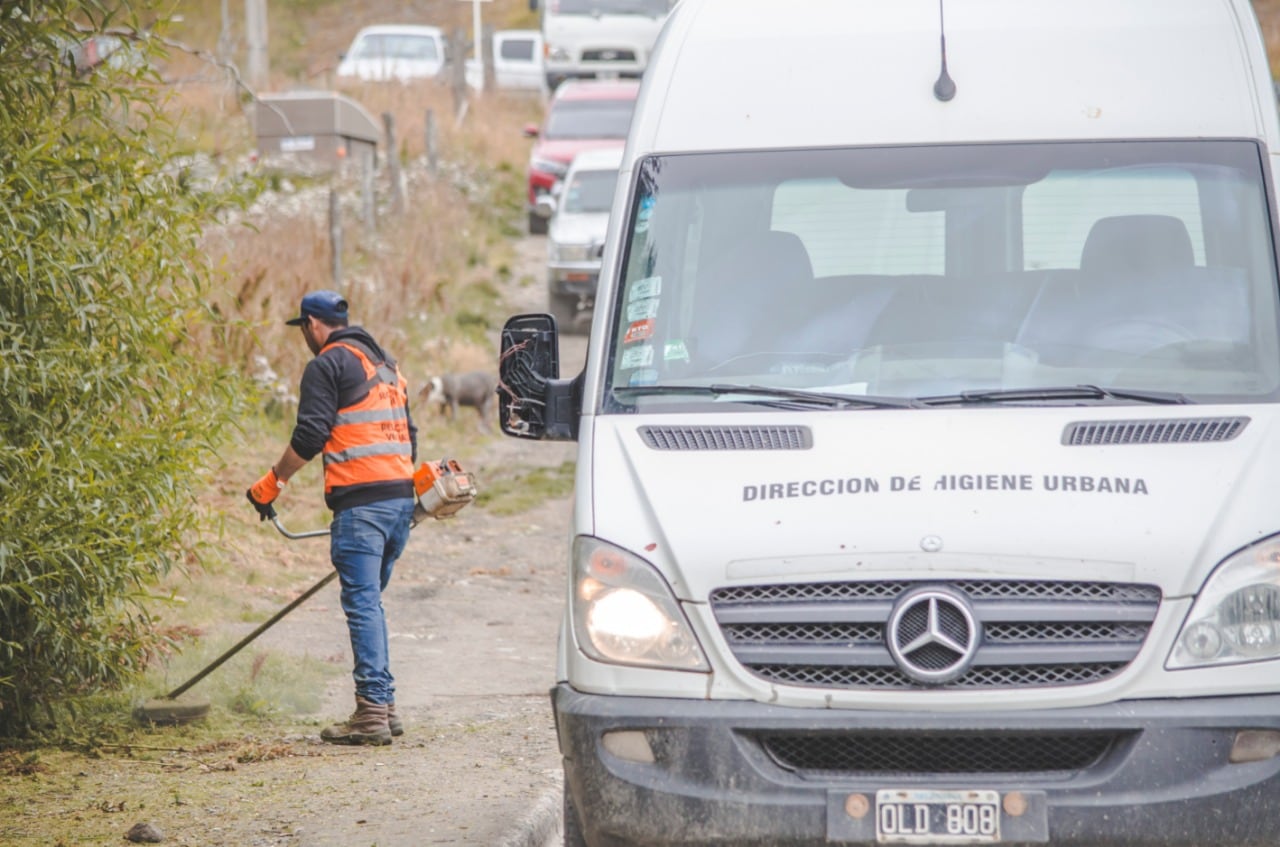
pixel 1236 617
pixel 624 612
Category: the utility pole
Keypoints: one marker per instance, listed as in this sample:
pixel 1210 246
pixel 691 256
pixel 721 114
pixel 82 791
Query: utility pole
pixel 255 18
pixel 477 37
pixel 224 34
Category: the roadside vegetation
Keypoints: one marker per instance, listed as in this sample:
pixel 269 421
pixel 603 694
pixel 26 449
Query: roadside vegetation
pixel 149 260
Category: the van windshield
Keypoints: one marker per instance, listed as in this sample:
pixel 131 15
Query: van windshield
pixel 653 8
pixel 1147 268
pixel 590 191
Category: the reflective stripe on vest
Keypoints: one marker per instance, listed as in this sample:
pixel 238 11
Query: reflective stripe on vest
pixel 369 441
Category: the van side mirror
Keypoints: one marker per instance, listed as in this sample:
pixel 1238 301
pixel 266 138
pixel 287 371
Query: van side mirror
pixel 533 402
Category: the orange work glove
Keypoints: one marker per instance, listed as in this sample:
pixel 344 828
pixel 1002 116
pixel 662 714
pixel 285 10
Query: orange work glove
pixel 263 492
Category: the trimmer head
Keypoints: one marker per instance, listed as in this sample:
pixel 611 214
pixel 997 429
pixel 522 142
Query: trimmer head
pixel 164 711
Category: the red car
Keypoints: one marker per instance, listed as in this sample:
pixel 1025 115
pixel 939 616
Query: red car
pixel 583 115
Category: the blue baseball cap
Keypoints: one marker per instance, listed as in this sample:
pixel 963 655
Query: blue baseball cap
pixel 326 305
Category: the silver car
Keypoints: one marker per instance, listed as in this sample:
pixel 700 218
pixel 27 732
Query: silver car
pixel 579 211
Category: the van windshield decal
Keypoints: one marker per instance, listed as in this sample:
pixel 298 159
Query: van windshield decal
pixel 962 274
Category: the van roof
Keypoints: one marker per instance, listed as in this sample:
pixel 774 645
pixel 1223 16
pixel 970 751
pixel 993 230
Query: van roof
pixel 752 74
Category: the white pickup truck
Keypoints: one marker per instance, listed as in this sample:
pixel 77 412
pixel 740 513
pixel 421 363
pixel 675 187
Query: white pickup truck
pixel 585 39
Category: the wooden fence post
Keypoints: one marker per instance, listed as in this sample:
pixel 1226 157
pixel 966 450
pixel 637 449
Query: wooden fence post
pixel 393 164
pixel 458 74
pixel 490 71
pixel 433 151
pixel 335 238
pixel 367 205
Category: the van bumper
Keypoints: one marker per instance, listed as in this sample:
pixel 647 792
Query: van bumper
pixel 1165 777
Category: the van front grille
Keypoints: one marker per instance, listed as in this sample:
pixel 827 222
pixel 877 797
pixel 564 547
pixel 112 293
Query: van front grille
pixel 1029 634
pixel 857 753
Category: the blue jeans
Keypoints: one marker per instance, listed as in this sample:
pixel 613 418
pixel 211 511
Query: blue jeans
pixel 364 543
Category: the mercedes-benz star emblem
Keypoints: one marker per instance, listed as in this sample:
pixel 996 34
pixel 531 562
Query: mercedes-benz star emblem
pixel 932 634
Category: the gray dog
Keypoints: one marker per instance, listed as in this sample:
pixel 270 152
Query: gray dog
pixel 477 389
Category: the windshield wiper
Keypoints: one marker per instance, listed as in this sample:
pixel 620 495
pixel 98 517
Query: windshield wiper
pixel 781 397
pixel 1062 392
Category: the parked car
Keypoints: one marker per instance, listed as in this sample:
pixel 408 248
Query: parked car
pixel 583 115
pixel 389 52
pixel 517 61
pixel 579 211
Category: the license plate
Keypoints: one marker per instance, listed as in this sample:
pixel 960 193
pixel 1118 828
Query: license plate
pixel 937 817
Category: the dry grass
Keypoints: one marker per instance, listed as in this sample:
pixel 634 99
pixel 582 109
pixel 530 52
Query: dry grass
pixel 418 276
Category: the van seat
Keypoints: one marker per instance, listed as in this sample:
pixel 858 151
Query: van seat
pixel 739 298
pixel 1136 243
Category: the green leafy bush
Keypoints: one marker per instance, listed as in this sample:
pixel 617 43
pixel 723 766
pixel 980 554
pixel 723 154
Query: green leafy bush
pixel 107 408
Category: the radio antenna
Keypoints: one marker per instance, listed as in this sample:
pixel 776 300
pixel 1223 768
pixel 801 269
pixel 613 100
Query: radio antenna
pixel 945 88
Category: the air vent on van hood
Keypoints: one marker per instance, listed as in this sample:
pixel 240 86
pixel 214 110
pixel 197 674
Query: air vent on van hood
pixel 1167 431
pixel 727 437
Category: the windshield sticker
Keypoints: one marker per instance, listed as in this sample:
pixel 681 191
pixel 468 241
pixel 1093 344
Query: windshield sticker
pixel 637 357
pixel 639 331
pixel 642 309
pixel 644 376
pixel 642 289
pixel 675 351
pixel 645 212
pixel 1063 483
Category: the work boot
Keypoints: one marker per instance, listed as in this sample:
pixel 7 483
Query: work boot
pixel 367 725
pixel 393 720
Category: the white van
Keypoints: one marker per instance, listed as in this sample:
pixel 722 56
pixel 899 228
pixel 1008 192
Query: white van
pixel 578 209
pixel 929 437
pixel 587 39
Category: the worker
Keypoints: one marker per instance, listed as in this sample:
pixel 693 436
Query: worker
pixel 353 407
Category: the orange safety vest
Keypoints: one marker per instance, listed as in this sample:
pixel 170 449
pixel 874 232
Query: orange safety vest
pixel 369 441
